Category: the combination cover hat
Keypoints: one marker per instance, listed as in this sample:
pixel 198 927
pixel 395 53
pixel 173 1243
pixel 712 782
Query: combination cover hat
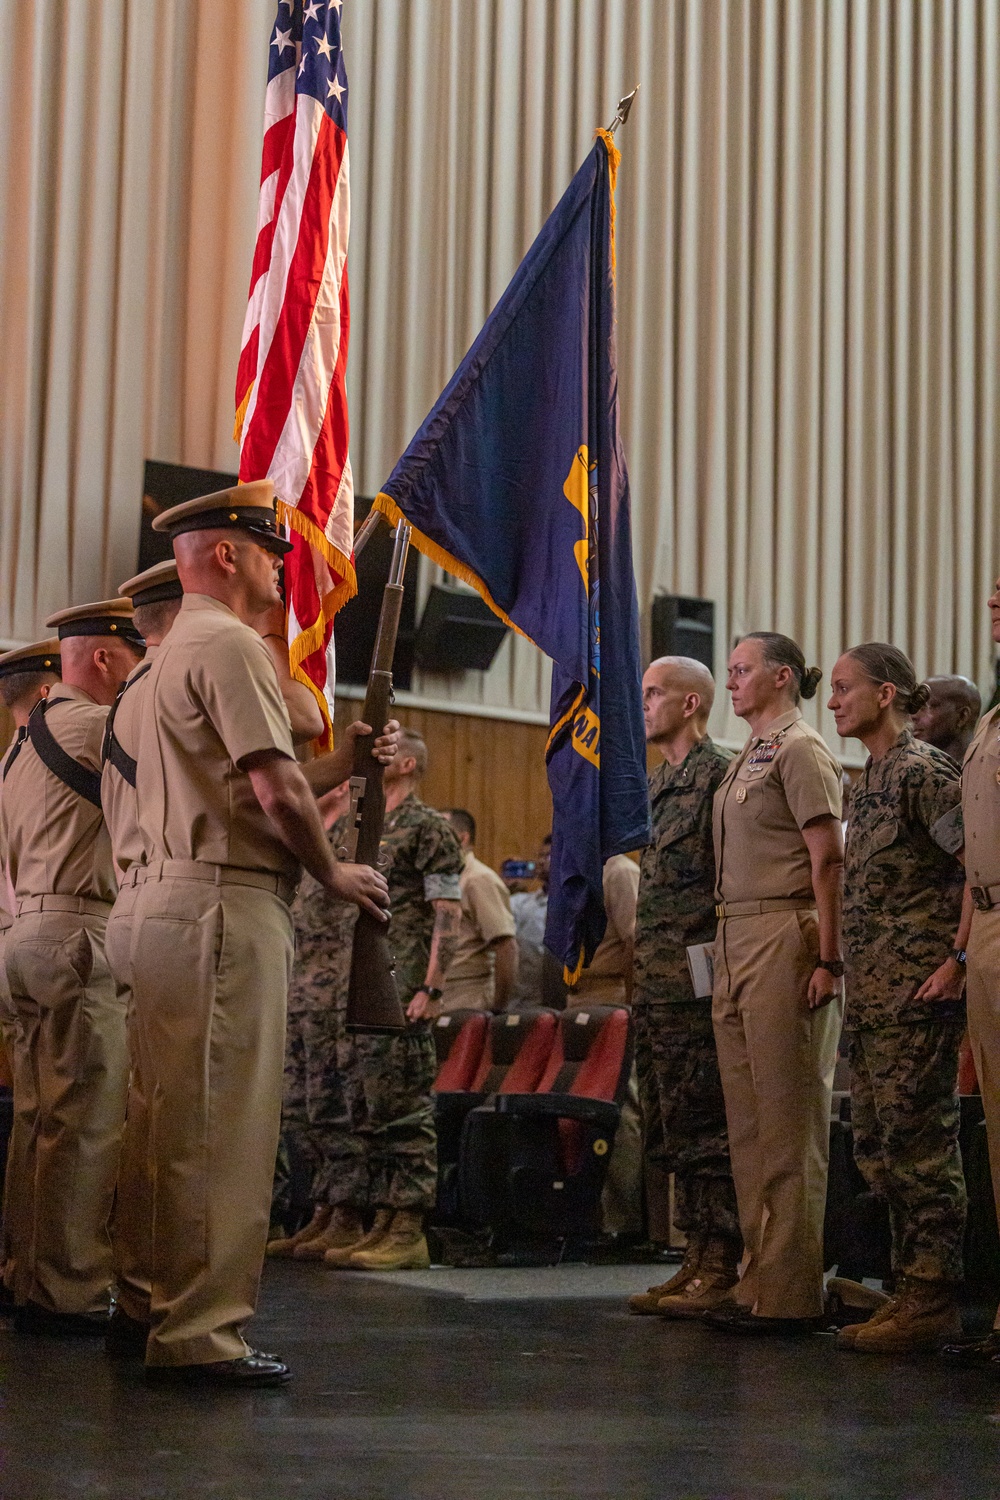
pixel 156 584
pixel 246 507
pixel 111 617
pixel 40 656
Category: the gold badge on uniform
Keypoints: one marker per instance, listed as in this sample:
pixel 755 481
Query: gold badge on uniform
pixel 741 795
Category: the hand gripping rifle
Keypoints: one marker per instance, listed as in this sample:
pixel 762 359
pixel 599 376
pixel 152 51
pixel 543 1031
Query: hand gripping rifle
pixel 373 999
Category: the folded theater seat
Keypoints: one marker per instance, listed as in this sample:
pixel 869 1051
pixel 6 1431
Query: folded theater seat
pixel 485 1054
pixel 532 1165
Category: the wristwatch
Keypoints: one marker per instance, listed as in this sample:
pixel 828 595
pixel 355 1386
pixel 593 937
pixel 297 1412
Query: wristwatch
pixel 958 954
pixel 834 966
pixel 431 994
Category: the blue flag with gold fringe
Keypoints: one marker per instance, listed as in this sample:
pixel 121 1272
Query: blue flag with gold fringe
pixel 516 483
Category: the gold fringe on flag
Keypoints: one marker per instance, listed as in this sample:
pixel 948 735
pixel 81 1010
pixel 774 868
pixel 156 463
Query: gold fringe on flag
pixel 425 544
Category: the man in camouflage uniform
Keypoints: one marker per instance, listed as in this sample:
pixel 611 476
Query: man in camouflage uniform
pixel 680 1091
pixel 312 1097
pixel 370 1096
pixel 904 1014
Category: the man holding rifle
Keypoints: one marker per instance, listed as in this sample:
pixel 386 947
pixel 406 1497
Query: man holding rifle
pixel 378 1138
pixel 228 819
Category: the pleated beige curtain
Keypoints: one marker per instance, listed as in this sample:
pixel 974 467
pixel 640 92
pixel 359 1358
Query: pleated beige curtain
pixel 129 132
pixel 808 267
pixel 808 274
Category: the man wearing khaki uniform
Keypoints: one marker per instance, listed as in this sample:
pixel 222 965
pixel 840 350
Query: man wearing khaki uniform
pixel 979 934
pixel 156 598
pixel 71 1013
pixel 483 972
pixel 227 817
pixel 26 675
pixel 778 1001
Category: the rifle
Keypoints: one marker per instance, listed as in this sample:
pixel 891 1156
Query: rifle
pixel 373 1004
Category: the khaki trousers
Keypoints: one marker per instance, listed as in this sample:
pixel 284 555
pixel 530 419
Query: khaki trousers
pixel 210 971
pixel 983 1001
pixel 776 1058
pixel 132 1218
pixel 19 1179
pixel 73 1021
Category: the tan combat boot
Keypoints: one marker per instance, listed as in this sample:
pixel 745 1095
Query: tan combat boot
pixel 339 1255
pixel 287 1245
pixel 716 1276
pixel 921 1318
pixel 404 1248
pixel 345 1228
pixel 645 1303
pixel 845 1297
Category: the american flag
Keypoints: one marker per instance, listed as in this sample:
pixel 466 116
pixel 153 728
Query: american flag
pixel 291 395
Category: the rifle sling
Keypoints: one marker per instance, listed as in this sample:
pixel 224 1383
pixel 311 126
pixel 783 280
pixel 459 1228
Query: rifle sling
pixel 113 750
pixel 14 752
pixel 79 778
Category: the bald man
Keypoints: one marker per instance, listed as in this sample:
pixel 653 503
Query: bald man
pixel 680 1091
pixel 949 717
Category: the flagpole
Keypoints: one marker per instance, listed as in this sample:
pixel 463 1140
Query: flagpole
pixel 622 112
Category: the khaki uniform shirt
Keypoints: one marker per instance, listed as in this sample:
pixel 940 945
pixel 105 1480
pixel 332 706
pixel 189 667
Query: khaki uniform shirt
pixel 121 810
pixel 981 803
pixel 779 782
pixel 211 699
pixel 56 842
pixel 486 917
pixel 602 982
pixel 902 890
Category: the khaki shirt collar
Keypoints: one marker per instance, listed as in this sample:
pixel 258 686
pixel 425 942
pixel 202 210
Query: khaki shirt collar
pixel 206 601
pixel 468 857
pixel 72 694
pixel 784 721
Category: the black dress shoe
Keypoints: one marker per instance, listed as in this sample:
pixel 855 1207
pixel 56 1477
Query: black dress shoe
pixel 251 1372
pixel 978 1352
pixel 30 1317
pixel 735 1318
pixel 125 1337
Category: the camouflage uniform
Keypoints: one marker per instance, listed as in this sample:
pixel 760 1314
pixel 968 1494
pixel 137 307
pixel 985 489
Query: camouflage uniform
pixel 367 1099
pixel 314 1109
pixel 680 1091
pixel 902 900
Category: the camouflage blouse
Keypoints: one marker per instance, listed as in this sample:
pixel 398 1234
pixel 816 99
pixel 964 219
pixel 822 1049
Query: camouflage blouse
pixel 902 889
pixel 424 865
pixel 676 905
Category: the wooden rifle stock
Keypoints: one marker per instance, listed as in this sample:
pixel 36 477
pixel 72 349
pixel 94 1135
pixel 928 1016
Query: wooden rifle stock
pixel 373 1003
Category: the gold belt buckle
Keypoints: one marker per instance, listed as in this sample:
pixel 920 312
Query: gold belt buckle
pixel 720 910
pixel 980 897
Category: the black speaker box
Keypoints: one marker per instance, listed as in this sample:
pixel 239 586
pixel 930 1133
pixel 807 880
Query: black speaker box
pixel 356 624
pixel 165 485
pixel 683 627
pixel 458 632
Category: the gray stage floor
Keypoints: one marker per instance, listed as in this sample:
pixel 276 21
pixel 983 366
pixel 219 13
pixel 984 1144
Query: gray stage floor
pixel 491 1385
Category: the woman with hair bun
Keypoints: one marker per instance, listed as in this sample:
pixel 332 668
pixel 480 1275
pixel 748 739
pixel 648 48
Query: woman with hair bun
pixel 903 889
pixel 776 1006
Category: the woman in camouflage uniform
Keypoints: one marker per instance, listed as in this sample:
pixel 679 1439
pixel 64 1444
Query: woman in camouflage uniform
pixel 902 900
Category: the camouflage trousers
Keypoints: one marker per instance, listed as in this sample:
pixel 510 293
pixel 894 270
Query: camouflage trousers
pixel 358 1110
pixel 383 1152
pixel 684 1115
pixel 905 1118
pixel 312 1106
